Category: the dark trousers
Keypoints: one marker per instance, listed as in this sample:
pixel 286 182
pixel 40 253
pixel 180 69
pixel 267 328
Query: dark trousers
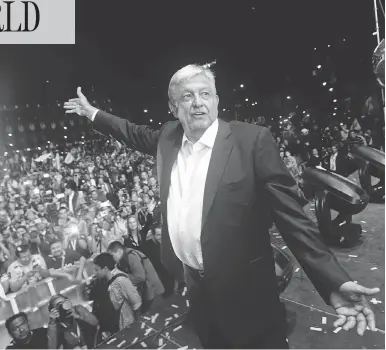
pixel 206 327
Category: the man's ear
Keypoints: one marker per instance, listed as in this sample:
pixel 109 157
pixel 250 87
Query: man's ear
pixel 172 108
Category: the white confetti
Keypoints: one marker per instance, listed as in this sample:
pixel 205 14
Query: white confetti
pixel 324 320
pixel 337 330
pixel 160 341
pixel 363 222
pixel 297 269
pixel 146 318
pixel 166 323
pixel 317 329
pixel 285 247
pixel 342 239
pixel 148 331
pixel 135 340
pixel 167 335
pixel 111 341
pixel 364 231
pixel 161 347
pixel 183 348
pixel 342 223
pixel 143 325
pixel 168 319
pixel 175 306
pixel 177 328
pixel 154 318
pixel 375 301
pixel 374 268
pixel 121 343
pixel 176 315
pixel 353 256
pixel 184 291
pixel 144 345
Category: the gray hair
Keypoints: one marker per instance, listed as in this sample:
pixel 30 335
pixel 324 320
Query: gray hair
pixel 187 73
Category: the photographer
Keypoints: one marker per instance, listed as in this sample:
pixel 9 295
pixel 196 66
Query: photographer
pixel 72 327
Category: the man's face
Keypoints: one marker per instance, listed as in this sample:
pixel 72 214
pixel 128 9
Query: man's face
pixel 195 103
pixel 40 208
pixel 334 149
pixel 144 175
pixel 25 258
pixel 94 195
pixel 20 232
pixel 157 235
pixel 99 273
pixel 117 255
pixel 19 329
pixel 62 214
pixel 67 191
pixel 133 224
pixel 56 249
pixel 152 181
pixel 136 179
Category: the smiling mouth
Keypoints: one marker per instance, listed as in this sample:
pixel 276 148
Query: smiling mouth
pixel 198 114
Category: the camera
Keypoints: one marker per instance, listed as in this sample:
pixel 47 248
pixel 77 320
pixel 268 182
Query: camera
pixel 65 309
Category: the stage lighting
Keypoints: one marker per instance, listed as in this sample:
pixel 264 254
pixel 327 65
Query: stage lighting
pixel 324 83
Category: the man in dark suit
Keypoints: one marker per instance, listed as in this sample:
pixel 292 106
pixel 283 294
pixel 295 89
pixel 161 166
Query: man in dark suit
pixel 221 185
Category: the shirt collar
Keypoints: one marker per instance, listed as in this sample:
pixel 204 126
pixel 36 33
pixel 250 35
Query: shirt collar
pixel 209 136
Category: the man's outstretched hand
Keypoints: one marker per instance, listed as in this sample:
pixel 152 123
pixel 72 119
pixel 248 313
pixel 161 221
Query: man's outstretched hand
pixel 352 307
pixel 79 105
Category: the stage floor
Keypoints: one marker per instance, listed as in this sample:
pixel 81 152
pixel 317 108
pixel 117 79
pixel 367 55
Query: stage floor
pixel 305 308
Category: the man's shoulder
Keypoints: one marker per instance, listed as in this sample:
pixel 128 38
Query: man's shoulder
pixel 246 131
pixel 39 331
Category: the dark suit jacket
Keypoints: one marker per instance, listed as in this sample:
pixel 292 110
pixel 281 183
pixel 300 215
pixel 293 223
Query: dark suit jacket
pixel 247 187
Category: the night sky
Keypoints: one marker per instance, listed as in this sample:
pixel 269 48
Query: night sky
pixel 128 50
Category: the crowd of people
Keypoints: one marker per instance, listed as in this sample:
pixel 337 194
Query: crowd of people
pixel 329 146
pixel 93 202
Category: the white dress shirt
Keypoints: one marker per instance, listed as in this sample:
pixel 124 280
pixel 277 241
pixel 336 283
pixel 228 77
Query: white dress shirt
pixel 333 161
pixel 186 197
pixel 70 206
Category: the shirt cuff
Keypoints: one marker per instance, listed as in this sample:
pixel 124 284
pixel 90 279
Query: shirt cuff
pixel 94 114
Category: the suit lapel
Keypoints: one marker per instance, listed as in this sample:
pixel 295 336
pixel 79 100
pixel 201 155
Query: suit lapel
pixel 220 155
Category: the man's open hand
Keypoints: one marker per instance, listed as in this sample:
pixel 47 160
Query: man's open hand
pixel 79 105
pixel 352 307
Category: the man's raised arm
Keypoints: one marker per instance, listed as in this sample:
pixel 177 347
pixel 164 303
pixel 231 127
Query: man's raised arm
pixel 138 137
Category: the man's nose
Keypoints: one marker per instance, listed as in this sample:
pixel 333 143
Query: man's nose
pixel 197 101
